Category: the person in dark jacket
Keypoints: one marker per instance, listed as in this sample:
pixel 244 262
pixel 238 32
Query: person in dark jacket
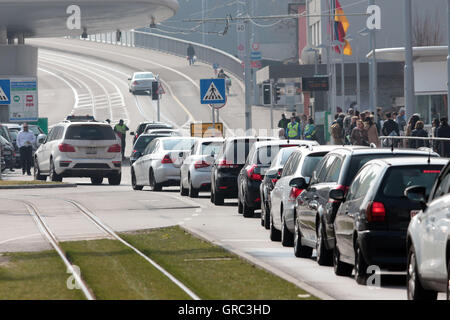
pixel 419 131
pixel 390 128
pixel 283 122
pixel 443 132
pixel 190 54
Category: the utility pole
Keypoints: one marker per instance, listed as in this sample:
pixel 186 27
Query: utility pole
pixel 374 68
pixel 409 67
pixel 248 76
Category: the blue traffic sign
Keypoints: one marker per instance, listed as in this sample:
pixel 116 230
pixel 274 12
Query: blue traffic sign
pixel 256 55
pixel 212 91
pixel 5 92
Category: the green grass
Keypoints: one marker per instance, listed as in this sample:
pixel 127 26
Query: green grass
pixel 34 276
pixel 114 271
pixel 210 271
pixel 24 183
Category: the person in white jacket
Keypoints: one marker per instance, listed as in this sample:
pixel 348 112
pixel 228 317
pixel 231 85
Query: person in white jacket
pixel 25 142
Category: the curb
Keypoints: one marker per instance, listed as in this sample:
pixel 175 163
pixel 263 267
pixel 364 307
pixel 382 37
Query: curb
pixel 302 285
pixel 40 186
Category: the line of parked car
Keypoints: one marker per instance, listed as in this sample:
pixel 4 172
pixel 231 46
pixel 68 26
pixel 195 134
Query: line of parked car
pixel 355 206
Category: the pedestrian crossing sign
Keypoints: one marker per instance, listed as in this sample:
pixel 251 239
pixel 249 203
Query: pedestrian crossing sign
pixel 5 92
pixel 212 91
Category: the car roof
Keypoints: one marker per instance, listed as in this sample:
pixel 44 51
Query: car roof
pixel 162 135
pixel 201 140
pixel 367 150
pixel 413 161
pixel 143 72
pixel 249 138
pixel 176 138
pixel 277 142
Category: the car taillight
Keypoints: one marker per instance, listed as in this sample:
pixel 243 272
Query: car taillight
pixel 274 181
pixel 167 159
pixel 201 164
pixel 376 212
pixel 64 147
pixel 252 175
pixel 115 149
pixel 295 192
pixel 135 83
pixel 224 164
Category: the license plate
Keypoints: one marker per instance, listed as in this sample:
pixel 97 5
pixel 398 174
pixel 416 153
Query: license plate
pixel 414 213
pixel 91 151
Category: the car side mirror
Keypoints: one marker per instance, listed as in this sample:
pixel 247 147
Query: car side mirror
pixel 138 154
pixel 41 139
pixel 417 194
pixel 299 183
pixel 337 194
pixel 129 79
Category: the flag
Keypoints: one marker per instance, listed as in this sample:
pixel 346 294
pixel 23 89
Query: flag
pixel 340 29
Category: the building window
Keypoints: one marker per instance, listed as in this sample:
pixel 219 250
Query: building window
pixel 431 107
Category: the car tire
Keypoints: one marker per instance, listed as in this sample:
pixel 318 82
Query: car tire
pixel 218 199
pixel 360 266
pixel 37 172
pixel 287 238
pixel 133 182
pixel 324 256
pixel 53 176
pixel 275 235
pixel 267 218
pixel 263 214
pixel 183 191
pixel 211 198
pixel 246 210
pixel 414 288
pixel 193 192
pixel 240 206
pixel 96 180
pixel 300 251
pixel 115 179
pixel 340 268
pixel 153 185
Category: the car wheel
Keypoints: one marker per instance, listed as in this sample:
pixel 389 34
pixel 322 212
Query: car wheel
pixel 340 268
pixel 153 185
pixel 133 182
pixel 53 176
pixel 96 180
pixel 183 191
pixel 240 206
pixel 211 198
pixel 246 210
pixel 360 266
pixel 267 217
pixel 414 288
pixel 218 199
pixel 115 179
pixel 275 235
pixel 263 213
pixel 193 193
pixel 300 250
pixel 324 256
pixel 287 239
pixel 37 172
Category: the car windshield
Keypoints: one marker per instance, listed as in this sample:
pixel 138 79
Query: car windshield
pixel 178 144
pixel 400 178
pixel 310 164
pixel 144 76
pixel 90 132
pixel 209 148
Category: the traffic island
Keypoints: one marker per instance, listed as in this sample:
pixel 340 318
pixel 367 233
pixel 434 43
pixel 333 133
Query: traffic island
pixel 20 184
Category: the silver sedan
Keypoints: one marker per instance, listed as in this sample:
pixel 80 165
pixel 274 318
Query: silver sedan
pixel 141 82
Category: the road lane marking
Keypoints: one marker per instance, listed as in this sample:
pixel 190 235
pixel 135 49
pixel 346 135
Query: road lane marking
pixel 20 238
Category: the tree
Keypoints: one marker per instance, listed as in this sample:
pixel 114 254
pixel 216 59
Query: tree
pixel 426 29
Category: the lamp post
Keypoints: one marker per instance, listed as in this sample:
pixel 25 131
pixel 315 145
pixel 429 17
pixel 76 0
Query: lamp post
pixel 373 70
pixel 409 67
pixel 341 46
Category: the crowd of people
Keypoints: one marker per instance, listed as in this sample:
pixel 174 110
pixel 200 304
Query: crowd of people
pixel 365 129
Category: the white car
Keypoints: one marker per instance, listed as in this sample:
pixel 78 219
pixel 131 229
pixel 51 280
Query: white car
pixel 141 81
pixel 172 132
pixel 160 163
pixel 196 168
pixel 428 241
pixel 80 149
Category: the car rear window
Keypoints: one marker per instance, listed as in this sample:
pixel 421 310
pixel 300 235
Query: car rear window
pixel 90 132
pixel 285 156
pixel 399 178
pixel 265 155
pixel 209 148
pixel 144 76
pixel 143 141
pixel 236 151
pixel 358 162
pixel 178 144
pixel 310 164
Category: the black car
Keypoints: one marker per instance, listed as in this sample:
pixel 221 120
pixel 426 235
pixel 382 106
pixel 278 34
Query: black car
pixel 144 126
pixel 258 161
pixel 13 133
pixel 141 143
pixel 227 166
pixel 372 221
pixel 315 212
pixel 8 153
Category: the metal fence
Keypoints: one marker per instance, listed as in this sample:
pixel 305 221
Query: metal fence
pixel 439 145
pixel 173 46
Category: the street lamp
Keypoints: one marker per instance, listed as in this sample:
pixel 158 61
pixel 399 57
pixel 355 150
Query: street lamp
pixel 373 78
pixel 341 45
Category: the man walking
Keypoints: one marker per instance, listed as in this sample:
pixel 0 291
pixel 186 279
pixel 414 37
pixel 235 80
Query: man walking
pixel 25 142
pixel 293 130
pixel 443 131
pixel 190 54
pixel 390 128
pixel 121 130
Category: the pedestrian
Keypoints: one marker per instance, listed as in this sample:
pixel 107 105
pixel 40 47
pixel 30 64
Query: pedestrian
pixel 303 123
pixel 297 118
pixel 401 120
pixel 347 125
pixel 190 54
pixel 435 125
pixel 379 119
pixel 25 142
pixel 390 129
pixel 444 132
pixel 419 131
pixel 293 130
pixel 372 132
pixel 283 122
pixel 310 130
pixel 359 135
pixel 410 127
pixel 121 130
pixel 337 130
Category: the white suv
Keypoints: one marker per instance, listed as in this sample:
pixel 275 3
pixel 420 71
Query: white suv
pixel 80 149
pixel 428 241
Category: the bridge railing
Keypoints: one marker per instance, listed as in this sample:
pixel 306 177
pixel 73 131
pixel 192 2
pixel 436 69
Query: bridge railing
pixel 147 40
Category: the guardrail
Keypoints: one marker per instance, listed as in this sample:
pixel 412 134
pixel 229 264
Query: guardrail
pixel 178 47
pixel 438 145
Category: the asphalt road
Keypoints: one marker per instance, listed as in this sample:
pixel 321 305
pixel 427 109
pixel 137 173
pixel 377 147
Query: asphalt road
pixel 82 77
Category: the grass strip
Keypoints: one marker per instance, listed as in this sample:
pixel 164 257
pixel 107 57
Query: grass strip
pixel 210 271
pixel 35 276
pixel 115 272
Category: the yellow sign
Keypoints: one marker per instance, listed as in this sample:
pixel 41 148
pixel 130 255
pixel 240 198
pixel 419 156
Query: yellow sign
pixel 206 130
